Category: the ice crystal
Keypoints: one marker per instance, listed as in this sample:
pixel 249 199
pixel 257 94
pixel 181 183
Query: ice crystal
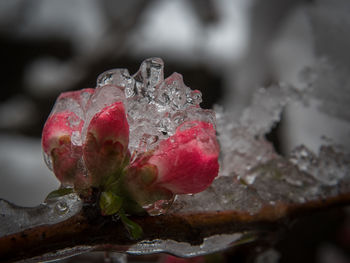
pixel 155 106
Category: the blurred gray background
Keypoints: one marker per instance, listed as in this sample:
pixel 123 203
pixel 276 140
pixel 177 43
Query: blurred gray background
pixel 225 48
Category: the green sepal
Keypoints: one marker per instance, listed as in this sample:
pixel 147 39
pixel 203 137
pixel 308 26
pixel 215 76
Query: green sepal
pixel 110 203
pixel 134 229
pixel 59 192
pixel 117 185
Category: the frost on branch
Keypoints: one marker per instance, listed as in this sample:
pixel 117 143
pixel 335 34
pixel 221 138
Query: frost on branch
pixel 252 175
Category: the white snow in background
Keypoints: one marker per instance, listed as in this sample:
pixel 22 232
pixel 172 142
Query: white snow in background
pixel 81 21
pixel 44 76
pixel 307 125
pixel 25 179
pixel 169 26
pixel 226 40
pixel 17 112
pixel 292 50
pixel 172 28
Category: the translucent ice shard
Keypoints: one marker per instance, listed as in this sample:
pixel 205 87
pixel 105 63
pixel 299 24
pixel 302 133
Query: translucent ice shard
pixel 266 108
pixel 329 167
pixel 252 175
pixel 157 106
pixel 181 249
pixel 226 193
pixel 15 219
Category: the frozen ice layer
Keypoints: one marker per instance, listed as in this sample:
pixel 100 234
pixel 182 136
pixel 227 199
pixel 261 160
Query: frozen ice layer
pixel 181 249
pixel 266 108
pixel 292 181
pixel 252 175
pixel 242 142
pixel 155 106
pixel 15 219
pixel 328 168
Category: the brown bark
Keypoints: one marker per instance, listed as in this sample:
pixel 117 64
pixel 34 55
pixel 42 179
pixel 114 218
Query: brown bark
pixel 88 228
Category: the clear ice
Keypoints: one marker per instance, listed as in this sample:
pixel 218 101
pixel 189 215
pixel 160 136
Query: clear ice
pixel 252 175
pixel 155 106
pixel 54 210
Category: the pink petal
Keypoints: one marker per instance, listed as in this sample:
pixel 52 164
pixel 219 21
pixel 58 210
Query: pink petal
pixel 188 161
pixel 110 124
pixel 57 126
pixel 106 143
pixel 65 162
pixel 56 142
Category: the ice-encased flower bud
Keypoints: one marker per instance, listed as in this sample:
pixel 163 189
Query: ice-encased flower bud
pixel 56 143
pixel 61 137
pixel 105 150
pixel 187 162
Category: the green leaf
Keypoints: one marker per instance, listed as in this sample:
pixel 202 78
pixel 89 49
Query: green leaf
pixel 59 192
pixel 110 203
pixel 134 229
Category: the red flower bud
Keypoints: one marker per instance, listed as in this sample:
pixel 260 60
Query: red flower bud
pixel 56 142
pixel 86 140
pixel 63 127
pixel 187 162
pixel 106 144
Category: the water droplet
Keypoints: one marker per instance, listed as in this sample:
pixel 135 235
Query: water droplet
pixel 105 78
pixel 179 118
pixel 147 142
pixel 151 71
pixel 76 138
pixel 249 178
pixel 61 207
pixel 196 97
pixel 48 161
pixel 129 92
pixel 159 207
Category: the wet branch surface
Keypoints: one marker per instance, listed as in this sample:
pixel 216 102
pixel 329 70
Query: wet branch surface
pixel 89 228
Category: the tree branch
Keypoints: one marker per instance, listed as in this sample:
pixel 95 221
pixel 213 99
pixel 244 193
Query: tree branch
pixel 92 231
